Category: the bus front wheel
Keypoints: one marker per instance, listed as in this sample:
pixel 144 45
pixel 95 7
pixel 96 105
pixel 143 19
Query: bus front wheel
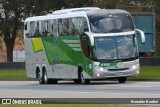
pixel 83 80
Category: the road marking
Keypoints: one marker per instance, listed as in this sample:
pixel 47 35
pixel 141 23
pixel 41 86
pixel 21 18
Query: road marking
pixel 140 86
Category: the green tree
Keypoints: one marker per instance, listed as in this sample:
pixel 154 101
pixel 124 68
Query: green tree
pixel 11 21
pixel 15 11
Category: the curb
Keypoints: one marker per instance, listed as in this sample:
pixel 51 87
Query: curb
pixel 18 79
pixel 158 80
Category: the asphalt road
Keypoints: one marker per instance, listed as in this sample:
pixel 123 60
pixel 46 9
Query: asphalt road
pixel 67 89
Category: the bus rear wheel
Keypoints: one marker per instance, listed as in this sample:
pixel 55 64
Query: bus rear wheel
pixel 122 79
pixel 46 80
pixel 40 78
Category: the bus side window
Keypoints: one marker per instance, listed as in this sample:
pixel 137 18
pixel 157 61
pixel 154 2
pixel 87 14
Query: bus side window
pixel 45 34
pixel 36 30
pixel 31 29
pixel 60 28
pixel 50 27
pixel 65 26
pixel 42 27
pixel 80 25
pixel 73 30
pixel 55 27
pixel 25 27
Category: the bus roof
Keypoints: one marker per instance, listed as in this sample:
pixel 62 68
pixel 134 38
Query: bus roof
pixel 66 11
pixel 111 11
pixel 75 12
pixel 51 16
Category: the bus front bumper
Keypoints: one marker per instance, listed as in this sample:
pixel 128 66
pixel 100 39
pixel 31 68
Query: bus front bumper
pixel 102 73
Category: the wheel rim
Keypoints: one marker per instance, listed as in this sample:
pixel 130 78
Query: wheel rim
pixel 39 77
pixel 45 77
pixel 82 77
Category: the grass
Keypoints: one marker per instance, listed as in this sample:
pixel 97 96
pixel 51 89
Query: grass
pixel 70 105
pixel 148 73
pixel 145 73
pixel 13 74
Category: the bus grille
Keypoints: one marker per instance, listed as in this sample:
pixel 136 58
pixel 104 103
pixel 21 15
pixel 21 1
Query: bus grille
pixel 122 69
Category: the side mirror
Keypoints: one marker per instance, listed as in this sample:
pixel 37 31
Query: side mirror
pixel 142 35
pixel 91 38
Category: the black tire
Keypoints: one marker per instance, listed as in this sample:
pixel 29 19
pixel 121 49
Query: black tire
pixel 81 77
pixel 77 81
pixel 52 81
pixel 40 77
pixel 46 80
pixel 122 79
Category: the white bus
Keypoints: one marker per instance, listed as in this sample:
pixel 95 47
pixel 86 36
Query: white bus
pixel 82 44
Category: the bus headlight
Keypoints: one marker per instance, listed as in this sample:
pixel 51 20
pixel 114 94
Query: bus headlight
pixel 134 67
pixel 99 68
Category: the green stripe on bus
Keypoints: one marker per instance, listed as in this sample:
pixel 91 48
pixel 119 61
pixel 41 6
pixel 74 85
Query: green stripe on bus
pixel 110 64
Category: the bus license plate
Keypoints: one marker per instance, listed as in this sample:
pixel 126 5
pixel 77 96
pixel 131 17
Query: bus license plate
pixel 119 73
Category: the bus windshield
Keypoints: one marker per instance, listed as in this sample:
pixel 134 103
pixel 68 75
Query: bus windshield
pixel 111 48
pixel 110 23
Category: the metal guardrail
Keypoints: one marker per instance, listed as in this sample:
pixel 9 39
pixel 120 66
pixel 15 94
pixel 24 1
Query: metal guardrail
pixel 153 61
pixel 12 65
pixel 144 61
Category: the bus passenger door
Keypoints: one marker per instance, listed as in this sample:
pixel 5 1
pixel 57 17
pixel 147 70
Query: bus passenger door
pixel 86 54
